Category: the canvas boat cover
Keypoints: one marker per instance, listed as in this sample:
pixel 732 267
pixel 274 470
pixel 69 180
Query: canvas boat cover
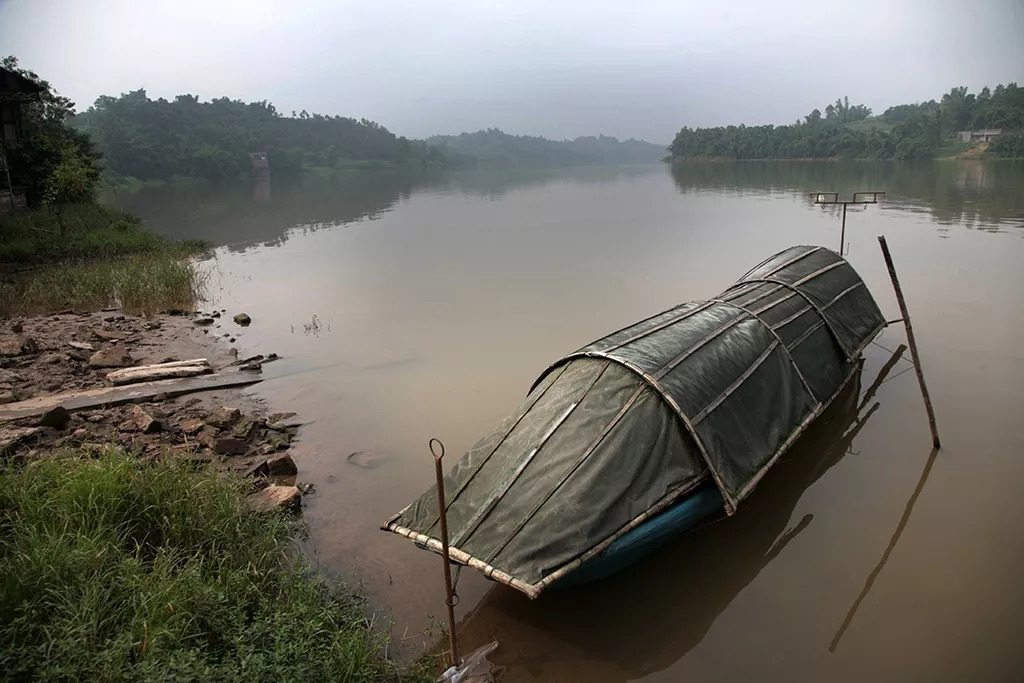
pixel 618 431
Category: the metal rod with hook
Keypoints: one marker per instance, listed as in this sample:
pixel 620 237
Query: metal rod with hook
pixel 449 595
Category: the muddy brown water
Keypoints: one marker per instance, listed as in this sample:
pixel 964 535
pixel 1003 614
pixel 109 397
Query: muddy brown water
pixel 409 308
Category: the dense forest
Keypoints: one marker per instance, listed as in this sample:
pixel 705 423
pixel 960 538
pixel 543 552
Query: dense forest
pixel 159 139
pixel 907 131
pixel 493 147
pixel 54 163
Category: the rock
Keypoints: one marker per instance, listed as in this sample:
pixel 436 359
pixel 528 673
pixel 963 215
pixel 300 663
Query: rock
pixel 207 436
pixel 223 416
pixel 51 358
pixel 107 335
pixel 203 321
pixel 18 345
pixel 252 367
pixel 244 428
pixel 141 421
pixel 111 357
pixel 281 422
pixel 9 376
pixel 232 340
pixel 242 319
pixel 81 346
pixel 57 418
pixel 274 498
pixel 152 325
pixel 113 318
pixel 306 488
pixel 279 440
pixel 282 466
pixel 12 436
pixel 191 427
pixel 189 402
pixel 259 469
pixel 17 327
pixel 368 459
pixel 272 356
pixel 229 445
pixel 8 394
pixel 53 384
pixel 79 433
pixel 215 314
pixel 96 417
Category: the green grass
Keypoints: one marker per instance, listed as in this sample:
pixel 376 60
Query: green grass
pixel 90 231
pixel 115 569
pixel 91 256
pixel 145 283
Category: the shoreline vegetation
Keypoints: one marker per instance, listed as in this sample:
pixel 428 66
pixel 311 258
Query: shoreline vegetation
pixel 926 130
pixel 129 564
pixel 89 257
pixel 118 568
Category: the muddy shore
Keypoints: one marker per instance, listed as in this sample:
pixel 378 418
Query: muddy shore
pixel 70 355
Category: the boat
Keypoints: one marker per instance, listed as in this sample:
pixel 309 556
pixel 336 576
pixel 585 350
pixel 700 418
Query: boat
pixel 654 429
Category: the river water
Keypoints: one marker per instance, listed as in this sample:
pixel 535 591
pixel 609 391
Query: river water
pixel 414 307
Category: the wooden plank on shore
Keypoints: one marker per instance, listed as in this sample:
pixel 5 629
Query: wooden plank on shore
pixel 113 396
pixel 146 373
pixel 152 374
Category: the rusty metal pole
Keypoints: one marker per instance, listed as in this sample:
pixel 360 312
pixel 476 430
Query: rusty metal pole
pixel 449 596
pixel 842 234
pixel 910 339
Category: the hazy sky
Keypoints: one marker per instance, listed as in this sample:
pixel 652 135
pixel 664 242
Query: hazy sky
pixel 630 68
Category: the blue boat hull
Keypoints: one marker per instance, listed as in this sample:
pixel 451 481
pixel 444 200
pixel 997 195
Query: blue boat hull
pixel 701 505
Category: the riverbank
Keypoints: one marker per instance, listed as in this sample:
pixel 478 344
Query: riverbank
pixel 154 535
pixel 149 508
pixel 92 256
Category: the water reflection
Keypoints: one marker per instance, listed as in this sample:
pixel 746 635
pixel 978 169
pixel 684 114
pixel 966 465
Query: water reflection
pixel 643 620
pixel 974 194
pixel 983 195
pixel 239 216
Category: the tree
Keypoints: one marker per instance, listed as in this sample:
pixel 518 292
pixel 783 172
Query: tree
pixel 48 136
pixel 71 182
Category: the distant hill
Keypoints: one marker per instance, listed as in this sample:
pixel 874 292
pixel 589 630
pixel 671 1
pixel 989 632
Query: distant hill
pixel 493 147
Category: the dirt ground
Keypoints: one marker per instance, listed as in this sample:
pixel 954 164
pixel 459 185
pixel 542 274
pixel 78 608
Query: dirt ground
pixel 72 352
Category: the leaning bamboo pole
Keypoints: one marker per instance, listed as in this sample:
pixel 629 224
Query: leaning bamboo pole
pixel 910 339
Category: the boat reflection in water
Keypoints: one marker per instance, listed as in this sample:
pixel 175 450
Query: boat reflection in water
pixel 645 618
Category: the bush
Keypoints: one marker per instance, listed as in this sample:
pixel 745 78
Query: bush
pixel 91 231
pixel 116 569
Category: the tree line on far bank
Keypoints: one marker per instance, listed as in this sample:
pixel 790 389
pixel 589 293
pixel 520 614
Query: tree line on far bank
pixel 161 139
pixel 907 131
pixel 495 147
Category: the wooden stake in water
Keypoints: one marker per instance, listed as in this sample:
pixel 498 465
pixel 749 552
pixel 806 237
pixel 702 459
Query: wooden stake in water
pixel 449 596
pixel 910 339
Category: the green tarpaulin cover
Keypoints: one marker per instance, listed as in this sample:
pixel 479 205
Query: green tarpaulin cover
pixel 628 425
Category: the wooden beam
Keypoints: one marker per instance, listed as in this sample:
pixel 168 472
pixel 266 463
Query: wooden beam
pixel 113 396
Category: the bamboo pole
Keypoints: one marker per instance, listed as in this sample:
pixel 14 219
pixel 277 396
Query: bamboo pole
pixel 910 339
pixel 449 598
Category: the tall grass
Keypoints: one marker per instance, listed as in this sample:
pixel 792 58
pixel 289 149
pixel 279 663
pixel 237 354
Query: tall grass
pixel 145 283
pixel 112 568
pixel 90 231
